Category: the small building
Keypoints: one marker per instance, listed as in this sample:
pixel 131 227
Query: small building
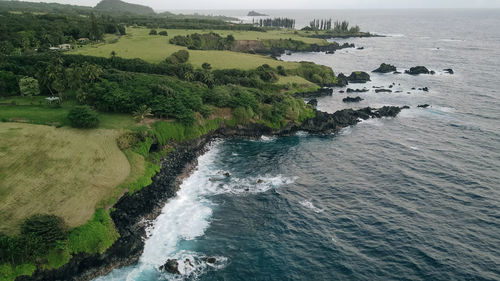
pixel 51 100
pixel 83 40
pixel 65 46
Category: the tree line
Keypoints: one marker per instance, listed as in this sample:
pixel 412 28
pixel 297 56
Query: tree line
pixel 339 27
pixel 277 22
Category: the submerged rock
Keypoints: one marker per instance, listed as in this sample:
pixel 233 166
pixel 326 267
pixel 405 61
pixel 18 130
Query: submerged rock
pixel 385 68
pixel 259 181
pixel 171 266
pixel 313 102
pixel 383 91
pixel 359 77
pixel 350 99
pixel 418 70
pixel 448 70
pixel 423 105
pixel 188 262
pixel 349 90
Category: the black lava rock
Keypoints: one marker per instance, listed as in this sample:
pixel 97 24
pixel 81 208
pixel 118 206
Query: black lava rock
pixel 350 99
pixel 359 77
pixel 418 70
pixel 171 266
pixel 385 68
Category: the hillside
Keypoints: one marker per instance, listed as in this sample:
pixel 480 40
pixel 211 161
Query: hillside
pixel 117 6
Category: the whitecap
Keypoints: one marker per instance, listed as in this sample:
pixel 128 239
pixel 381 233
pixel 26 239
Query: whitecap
pixel 250 185
pixel 310 205
pixel 186 217
pixel 267 139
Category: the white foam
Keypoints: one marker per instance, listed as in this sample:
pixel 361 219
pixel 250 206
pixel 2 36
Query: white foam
pixel 257 184
pixel 302 134
pixel 186 217
pixel 345 131
pixel 310 205
pixel 267 138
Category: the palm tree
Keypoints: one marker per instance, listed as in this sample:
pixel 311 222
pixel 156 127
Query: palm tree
pixel 142 112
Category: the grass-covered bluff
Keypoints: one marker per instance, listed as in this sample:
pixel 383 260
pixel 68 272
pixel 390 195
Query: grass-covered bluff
pixel 122 99
pixel 137 104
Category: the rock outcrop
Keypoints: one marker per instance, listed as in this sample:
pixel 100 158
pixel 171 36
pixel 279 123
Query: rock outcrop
pixel 385 68
pixel 171 266
pixel 418 70
pixel 358 77
pixel 351 99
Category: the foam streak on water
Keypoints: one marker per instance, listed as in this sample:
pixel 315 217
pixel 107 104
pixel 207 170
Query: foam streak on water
pixel 185 217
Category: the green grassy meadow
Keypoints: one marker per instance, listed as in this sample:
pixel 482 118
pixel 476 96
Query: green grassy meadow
pixel 60 171
pixel 139 44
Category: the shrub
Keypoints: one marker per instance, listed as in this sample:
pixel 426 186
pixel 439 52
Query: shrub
pixel 181 56
pixel 47 228
pixel 83 117
pixel 8 84
pixel 153 32
pixel 29 86
pixel 163 33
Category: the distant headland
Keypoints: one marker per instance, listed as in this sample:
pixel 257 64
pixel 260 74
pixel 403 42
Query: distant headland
pixel 256 14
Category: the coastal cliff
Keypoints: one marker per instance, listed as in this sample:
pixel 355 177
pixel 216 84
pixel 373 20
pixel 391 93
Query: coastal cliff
pixel 131 211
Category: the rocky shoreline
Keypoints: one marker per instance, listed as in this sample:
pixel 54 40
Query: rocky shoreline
pixel 131 211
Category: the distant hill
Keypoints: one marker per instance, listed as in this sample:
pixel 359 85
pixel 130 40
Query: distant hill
pixel 43 7
pixel 256 14
pixel 117 6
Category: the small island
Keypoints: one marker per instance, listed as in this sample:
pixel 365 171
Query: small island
pixel 256 14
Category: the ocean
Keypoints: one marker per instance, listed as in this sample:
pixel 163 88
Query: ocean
pixel 416 197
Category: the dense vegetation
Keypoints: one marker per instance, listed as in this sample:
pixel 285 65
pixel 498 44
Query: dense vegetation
pixel 208 41
pixel 277 22
pixel 186 102
pixel 29 33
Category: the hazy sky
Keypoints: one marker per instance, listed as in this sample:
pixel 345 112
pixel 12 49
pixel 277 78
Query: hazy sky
pixel 297 4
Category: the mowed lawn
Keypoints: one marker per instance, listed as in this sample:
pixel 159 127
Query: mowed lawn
pixel 61 171
pixel 139 44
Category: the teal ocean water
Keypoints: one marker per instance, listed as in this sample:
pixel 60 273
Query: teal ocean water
pixel 416 197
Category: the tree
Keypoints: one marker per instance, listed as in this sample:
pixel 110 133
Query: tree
pixel 163 33
pixel 29 86
pixel 8 84
pixel 83 117
pixel 181 56
pixel 48 228
pixel 113 54
pixel 153 32
pixel 206 66
pixel 142 112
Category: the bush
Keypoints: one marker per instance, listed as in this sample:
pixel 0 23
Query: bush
pixel 181 56
pixel 163 33
pixel 83 117
pixel 153 32
pixel 47 228
pixel 8 84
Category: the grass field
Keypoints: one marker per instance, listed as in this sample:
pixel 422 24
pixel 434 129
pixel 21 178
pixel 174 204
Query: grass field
pixel 37 111
pixel 138 44
pixel 59 171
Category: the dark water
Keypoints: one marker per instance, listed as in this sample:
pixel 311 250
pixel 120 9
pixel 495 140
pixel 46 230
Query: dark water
pixel 415 197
